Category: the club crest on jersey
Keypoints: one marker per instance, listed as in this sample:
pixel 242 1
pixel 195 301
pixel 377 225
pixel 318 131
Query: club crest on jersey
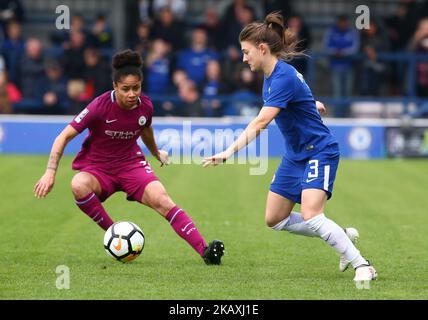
pixel 142 121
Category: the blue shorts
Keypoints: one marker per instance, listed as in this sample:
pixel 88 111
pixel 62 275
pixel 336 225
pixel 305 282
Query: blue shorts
pixel 317 172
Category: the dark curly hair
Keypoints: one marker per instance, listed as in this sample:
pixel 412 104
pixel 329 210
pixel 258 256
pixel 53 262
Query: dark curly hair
pixel 126 63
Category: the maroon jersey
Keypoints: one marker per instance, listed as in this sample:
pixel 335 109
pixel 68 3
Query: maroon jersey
pixel 113 132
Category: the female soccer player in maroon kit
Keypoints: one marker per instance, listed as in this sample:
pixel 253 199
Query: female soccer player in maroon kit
pixel 110 159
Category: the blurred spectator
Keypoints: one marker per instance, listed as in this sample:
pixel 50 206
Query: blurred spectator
pixel 245 100
pixel 10 10
pixel 178 7
pixel 78 23
pixel 341 43
pixel 168 107
pixel 373 71
pixel 235 19
pixel 231 13
pixel 419 44
pixel 13 49
pixel 299 29
pixel 96 74
pixel 9 93
pixel 157 69
pixel 194 59
pixel 400 27
pixel 62 38
pixel 133 18
pixel 101 33
pixel 75 91
pixel 179 77
pixel 189 104
pixel 169 29
pixel 141 42
pixel 72 59
pixel 213 87
pixel 52 89
pixel 31 68
pixel 243 15
pixel 214 29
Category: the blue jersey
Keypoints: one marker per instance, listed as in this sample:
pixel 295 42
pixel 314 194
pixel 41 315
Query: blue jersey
pixel 299 121
pixel 195 63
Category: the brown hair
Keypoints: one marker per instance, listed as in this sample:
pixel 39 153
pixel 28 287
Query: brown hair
pixel 280 40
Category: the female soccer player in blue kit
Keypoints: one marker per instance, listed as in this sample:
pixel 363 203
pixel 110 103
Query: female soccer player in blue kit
pixel 308 169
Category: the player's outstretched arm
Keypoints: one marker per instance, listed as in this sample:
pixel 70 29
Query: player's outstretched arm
pixel 254 128
pixel 149 140
pixel 47 181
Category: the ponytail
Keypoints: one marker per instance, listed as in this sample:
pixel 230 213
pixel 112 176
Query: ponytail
pixel 281 41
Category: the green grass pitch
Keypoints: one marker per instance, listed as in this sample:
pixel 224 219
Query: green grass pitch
pixel 386 200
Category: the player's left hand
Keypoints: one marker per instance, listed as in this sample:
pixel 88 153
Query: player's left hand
pixel 321 108
pixel 44 185
pixel 215 159
pixel 163 157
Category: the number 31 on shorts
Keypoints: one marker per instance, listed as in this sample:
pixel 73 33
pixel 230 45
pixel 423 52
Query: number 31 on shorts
pixel 146 166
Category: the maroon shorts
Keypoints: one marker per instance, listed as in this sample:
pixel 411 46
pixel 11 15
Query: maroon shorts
pixel 132 180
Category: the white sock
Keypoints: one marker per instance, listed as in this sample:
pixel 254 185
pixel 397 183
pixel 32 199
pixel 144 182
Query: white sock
pixel 294 223
pixel 336 237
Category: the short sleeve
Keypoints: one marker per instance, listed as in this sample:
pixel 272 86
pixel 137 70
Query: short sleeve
pixel 149 106
pixel 86 117
pixel 280 92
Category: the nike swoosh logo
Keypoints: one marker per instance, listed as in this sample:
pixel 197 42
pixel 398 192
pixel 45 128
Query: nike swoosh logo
pixel 110 121
pixel 119 245
pixel 310 180
pixel 184 229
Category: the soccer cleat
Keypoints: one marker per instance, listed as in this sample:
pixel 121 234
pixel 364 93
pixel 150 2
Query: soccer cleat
pixel 365 273
pixel 214 252
pixel 353 235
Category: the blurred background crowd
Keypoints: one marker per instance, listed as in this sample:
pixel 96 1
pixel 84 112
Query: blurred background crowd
pixel 192 58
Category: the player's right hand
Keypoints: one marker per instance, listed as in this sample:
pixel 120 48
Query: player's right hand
pixel 215 159
pixel 44 185
pixel 163 157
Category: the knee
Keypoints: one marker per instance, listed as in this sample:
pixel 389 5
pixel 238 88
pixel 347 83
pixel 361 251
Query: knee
pixel 308 213
pixel 162 203
pixel 310 209
pixel 270 220
pixel 80 186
